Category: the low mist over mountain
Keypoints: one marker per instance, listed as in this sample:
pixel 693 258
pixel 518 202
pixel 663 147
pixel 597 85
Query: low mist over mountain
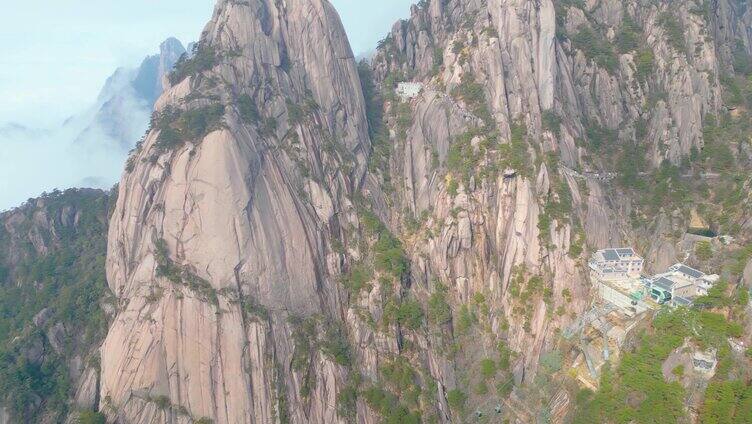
pixel 127 99
pixel 88 149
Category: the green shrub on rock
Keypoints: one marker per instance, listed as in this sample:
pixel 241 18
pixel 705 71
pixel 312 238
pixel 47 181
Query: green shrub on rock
pixel 91 417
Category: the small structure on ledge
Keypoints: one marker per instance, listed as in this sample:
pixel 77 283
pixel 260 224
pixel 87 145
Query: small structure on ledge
pixel 509 173
pixel 409 90
pixel 705 361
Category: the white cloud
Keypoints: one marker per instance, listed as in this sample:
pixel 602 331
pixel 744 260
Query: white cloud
pixel 34 161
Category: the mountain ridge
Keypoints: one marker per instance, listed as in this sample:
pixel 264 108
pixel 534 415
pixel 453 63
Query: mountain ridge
pixel 300 238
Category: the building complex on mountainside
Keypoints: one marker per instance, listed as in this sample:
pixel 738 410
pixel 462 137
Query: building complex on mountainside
pixel 623 295
pixel 617 275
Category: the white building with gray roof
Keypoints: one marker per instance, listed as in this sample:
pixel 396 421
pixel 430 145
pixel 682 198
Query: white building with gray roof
pixel 703 282
pixel 616 264
pixel 680 284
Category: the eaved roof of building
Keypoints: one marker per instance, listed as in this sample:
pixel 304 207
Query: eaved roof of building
pixel 709 355
pixel 409 89
pixel 616 254
pixel 610 255
pixel 681 301
pixel 688 271
pixel 664 283
pixel 625 252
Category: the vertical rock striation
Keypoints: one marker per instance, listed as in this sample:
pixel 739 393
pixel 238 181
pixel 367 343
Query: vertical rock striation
pixel 216 242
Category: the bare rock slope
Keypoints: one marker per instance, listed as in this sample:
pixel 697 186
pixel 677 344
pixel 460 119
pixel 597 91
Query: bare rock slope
pixel 209 233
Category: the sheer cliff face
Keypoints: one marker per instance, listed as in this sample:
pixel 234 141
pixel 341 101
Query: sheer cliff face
pixel 538 72
pixel 242 215
pixel 528 69
pixel 255 281
pixel 548 85
pixel 484 235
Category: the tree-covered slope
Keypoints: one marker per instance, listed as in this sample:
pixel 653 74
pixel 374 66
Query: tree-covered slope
pixel 52 293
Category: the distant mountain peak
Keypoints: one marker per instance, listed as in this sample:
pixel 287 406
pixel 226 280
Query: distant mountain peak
pixel 171 44
pixel 126 101
pixel 148 81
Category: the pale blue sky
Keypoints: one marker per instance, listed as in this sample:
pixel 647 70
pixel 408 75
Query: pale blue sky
pixel 55 54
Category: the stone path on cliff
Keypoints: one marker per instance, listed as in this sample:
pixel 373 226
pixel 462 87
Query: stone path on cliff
pixel 609 176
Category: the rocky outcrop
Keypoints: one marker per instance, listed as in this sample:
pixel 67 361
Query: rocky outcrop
pixel 528 66
pixel 245 215
pixel 87 392
pixel 42 225
pixel 503 72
